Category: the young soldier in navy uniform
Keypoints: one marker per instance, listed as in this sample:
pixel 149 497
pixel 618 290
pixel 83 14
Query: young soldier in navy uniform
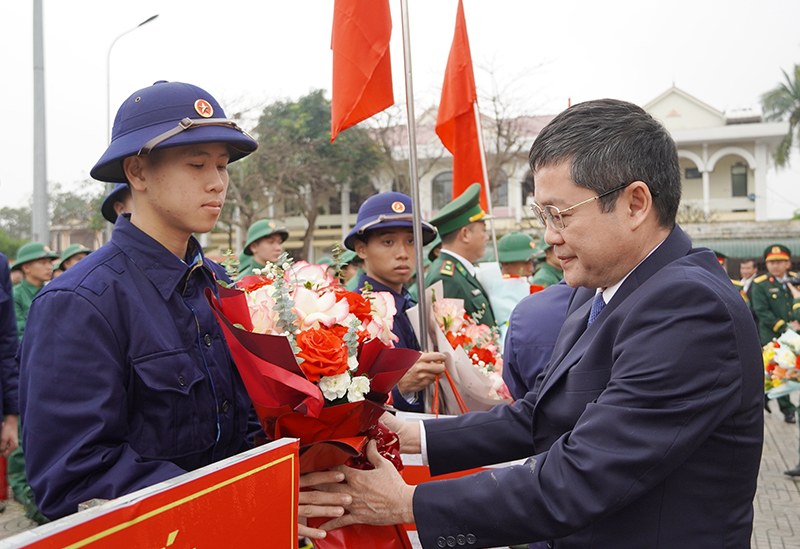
pixel 775 307
pixel 463 230
pixel 384 238
pixel 125 376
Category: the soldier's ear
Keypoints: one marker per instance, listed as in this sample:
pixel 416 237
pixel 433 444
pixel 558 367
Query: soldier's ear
pixel 134 171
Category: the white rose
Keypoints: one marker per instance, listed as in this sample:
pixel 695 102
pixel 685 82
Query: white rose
pixel 791 339
pixel 352 363
pixel 785 358
pixel 359 386
pixel 334 387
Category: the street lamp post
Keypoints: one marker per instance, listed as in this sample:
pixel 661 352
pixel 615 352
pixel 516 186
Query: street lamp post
pixel 108 73
pixel 110 186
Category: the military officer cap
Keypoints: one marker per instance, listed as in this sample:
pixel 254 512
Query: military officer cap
pixel 262 228
pixel 31 252
pixel 168 114
pixel 117 195
pixel 777 252
pixel 70 251
pixel 386 210
pixel 462 211
pixel 515 246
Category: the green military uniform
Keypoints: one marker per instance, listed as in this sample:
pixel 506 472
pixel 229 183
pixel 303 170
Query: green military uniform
pixel 457 282
pixel 71 251
pixel 775 308
pixel 547 275
pixel 257 231
pixel 24 292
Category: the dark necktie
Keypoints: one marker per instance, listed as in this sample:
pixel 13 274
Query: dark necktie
pixel 597 306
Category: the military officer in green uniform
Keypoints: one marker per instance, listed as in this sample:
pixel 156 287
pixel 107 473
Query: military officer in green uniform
pixel 549 271
pixel 775 307
pixel 35 260
pixel 463 231
pixel 265 240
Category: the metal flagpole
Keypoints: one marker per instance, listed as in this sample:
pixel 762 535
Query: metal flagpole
pixel 485 177
pixel 412 163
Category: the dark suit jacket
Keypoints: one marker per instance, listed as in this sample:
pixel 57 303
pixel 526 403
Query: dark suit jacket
pixel 645 430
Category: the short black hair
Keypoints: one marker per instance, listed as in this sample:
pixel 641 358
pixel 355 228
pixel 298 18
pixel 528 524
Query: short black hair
pixel 609 143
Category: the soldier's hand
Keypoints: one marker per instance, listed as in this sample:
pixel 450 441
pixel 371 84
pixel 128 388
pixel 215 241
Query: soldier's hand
pixel 316 503
pixel 422 373
pixel 9 436
pixel 794 290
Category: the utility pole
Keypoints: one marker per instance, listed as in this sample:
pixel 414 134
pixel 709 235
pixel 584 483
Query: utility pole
pixel 40 222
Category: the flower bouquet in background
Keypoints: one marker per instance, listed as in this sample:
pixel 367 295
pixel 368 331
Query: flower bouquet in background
pixel 781 365
pixel 318 364
pixel 473 379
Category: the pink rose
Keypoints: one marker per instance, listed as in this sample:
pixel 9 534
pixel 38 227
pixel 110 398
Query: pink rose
pixel 262 311
pixel 383 310
pixel 449 314
pixel 313 309
pixel 305 274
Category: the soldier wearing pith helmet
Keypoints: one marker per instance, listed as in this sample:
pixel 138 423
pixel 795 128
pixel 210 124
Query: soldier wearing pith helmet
pixel 264 244
pixel 462 227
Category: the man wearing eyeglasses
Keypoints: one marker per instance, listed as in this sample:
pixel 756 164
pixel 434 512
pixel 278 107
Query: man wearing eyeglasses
pixel 646 428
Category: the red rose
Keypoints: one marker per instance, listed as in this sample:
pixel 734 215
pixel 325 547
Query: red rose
pixel 359 305
pixel 484 354
pixel 323 353
pixel 457 339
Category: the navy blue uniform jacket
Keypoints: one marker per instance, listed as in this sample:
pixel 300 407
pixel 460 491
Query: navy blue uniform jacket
pixel 645 430
pixel 125 377
pixel 9 371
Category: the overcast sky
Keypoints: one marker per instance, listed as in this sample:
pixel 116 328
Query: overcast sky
pixel 251 52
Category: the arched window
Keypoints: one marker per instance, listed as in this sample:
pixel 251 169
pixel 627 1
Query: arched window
pixel 527 189
pixel 499 186
pixel 442 190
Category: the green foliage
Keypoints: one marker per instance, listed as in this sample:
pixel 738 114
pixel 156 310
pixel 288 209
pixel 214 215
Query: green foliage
pixel 783 103
pixel 81 207
pixel 297 164
pixel 16 222
pixel 9 245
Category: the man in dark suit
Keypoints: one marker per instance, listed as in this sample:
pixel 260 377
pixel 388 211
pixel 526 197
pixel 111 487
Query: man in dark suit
pixel 646 428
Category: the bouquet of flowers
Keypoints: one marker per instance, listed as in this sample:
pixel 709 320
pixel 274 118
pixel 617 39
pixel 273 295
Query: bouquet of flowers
pixel 318 363
pixel 782 365
pixel 474 367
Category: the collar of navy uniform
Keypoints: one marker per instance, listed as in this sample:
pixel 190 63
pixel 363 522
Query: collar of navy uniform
pixel 164 269
pixel 467 264
pixel 402 301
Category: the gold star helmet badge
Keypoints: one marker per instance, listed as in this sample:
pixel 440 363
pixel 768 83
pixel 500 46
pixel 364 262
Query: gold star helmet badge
pixel 398 207
pixel 203 108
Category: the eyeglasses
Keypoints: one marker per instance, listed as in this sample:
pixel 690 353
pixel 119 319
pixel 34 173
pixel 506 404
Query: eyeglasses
pixel 553 215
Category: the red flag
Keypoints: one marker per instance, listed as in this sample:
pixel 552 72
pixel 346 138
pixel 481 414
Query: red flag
pixel 455 122
pixel 362 68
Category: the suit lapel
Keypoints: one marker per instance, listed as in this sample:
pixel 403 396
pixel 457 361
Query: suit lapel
pixel 575 337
